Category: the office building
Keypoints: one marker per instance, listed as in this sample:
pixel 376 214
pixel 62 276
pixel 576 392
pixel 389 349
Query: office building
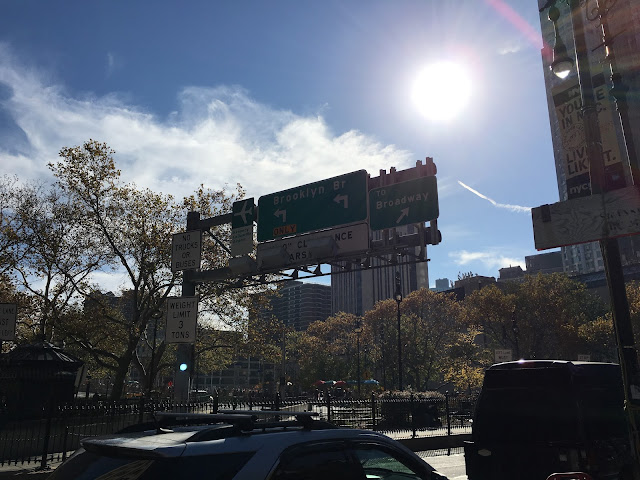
pixel 442 284
pixel 358 291
pixel 299 304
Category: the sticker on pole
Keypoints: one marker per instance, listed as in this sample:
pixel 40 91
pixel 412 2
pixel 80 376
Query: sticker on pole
pixel 182 315
pixel 8 317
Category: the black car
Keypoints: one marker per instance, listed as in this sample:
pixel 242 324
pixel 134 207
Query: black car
pixel 535 418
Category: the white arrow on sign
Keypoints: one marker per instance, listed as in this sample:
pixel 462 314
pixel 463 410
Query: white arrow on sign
pixel 342 198
pixel 403 213
pixel 282 214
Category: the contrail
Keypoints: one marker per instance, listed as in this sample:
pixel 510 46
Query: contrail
pixel 513 208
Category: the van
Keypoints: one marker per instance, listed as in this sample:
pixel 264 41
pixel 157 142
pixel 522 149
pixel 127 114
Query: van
pixel 538 417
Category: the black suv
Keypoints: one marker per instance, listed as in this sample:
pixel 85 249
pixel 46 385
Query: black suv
pixel 534 418
pixel 243 445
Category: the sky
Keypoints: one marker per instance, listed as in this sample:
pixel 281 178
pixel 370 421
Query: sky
pixel 274 95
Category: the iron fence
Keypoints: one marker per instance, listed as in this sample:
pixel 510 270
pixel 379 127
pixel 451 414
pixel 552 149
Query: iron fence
pixel 58 431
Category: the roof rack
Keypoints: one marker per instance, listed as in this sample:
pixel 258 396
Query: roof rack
pixel 227 423
pixel 303 418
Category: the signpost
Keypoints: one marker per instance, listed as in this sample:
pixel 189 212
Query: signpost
pixel 302 249
pixel 404 203
pixel 182 314
pixel 316 206
pixel 8 317
pixel 186 250
pixel 242 227
pixel 587 219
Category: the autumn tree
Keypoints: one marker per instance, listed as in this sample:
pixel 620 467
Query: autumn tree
pixel 382 325
pixel 491 312
pixel 135 226
pixel 329 348
pixel 46 252
pixel 539 318
pixel 431 324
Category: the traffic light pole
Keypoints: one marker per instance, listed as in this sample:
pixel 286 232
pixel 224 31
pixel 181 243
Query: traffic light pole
pixel 185 351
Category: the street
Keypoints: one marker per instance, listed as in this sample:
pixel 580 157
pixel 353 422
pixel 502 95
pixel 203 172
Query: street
pixel 450 465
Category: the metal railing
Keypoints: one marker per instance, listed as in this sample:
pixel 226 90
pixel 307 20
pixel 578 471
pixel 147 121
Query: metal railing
pixel 57 432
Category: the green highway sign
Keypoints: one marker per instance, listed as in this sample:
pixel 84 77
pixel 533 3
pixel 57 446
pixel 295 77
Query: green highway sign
pixel 328 203
pixel 242 227
pixel 413 201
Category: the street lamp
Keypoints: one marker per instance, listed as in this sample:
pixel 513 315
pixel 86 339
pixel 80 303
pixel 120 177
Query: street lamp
pixel 398 298
pixel 516 331
pixel 561 64
pixel 156 315
pixel 358 332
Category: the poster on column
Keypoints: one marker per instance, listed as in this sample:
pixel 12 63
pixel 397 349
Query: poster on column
pixel 568 107
pixel 8 317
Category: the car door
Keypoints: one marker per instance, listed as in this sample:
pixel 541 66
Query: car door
pixel 350 460
pixel 380 461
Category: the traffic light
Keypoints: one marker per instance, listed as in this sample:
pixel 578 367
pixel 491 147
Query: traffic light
pixel 433 236
pixel 183 358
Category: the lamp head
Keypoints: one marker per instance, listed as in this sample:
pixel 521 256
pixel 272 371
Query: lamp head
pixel 561 63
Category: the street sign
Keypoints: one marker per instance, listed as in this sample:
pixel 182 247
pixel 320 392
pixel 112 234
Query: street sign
pixel 413 201
pixel 186 251
pixel 582 220
pixel 309 250
pixel 8 317
pixel 503 355
pixel 242 227
pixel 182 315
pixel 329 203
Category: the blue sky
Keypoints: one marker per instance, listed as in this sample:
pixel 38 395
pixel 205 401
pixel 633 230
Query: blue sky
pixel 273 95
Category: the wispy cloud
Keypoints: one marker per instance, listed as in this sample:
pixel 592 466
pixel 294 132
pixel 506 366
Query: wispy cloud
pixel 513 208
pixel 490 259
pixel 218 136
pixel 510 48
pixel 113 63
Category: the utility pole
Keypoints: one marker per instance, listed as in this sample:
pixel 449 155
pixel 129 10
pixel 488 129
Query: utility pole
pixel 627 352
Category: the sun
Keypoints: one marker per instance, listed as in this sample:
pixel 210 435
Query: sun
pixel 441 91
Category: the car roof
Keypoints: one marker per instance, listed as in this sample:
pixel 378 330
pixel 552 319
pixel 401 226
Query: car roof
pixel 225 433
pixel 522 364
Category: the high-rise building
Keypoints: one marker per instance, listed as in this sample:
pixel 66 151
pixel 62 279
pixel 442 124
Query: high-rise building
pixel 442 284
pixel 563 99
pixel 358 291
pixel 302 303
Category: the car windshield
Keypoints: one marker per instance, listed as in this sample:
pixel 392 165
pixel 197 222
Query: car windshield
pixel 90 466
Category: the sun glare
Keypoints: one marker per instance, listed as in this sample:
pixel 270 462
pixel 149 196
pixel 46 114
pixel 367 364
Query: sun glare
pixel 441 91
